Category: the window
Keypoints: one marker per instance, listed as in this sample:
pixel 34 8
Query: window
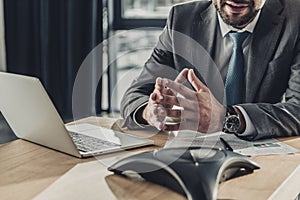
pixel 133 48
pixel 130 14
pixel 155 9
pixel 134 40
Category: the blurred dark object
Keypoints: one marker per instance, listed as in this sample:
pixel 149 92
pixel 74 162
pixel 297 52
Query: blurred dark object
pixel 6 134
pixel 176 169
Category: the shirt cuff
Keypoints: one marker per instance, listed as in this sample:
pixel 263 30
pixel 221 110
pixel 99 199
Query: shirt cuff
pixel 134 116
pixel 250 129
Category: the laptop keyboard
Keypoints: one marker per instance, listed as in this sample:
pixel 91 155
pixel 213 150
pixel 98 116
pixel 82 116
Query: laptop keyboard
pixel 86 143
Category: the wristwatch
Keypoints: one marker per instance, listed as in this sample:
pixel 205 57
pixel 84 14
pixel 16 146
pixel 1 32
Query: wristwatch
pixel 232 121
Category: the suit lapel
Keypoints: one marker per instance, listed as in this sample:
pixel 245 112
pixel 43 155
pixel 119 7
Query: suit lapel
pixel 206 28
pixel 263 46
pixel 205 34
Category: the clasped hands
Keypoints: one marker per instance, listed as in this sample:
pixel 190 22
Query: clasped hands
pixel 196 109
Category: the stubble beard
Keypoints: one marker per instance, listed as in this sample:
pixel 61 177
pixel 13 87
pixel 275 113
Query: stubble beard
pixel 235 20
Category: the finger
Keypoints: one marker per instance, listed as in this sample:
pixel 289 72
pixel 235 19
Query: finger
pixel 182 76
pixel 195 82
pixel 158 85
pixel 167 100
pixel 157 124
pixel 160 89
pixel 156 98
pixel 178 88
pixel 165 91
pixel 161 114
pixel 153 97
pixel 158 109
pixel 167 104
pixel 187 104
pixel 157 115
pixel 168 91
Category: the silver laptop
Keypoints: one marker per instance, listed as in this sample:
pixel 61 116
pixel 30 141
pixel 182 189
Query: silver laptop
pixel 32 116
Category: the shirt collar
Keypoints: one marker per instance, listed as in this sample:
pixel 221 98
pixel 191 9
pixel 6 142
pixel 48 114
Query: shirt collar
pixel 225 28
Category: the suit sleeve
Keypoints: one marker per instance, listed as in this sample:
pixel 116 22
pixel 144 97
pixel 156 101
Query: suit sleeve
pixel 281 119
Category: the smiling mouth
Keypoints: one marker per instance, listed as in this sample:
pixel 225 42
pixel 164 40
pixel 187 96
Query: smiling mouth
pixel 236 7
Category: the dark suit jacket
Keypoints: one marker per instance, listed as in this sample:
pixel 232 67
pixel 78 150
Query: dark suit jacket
pixel 273 69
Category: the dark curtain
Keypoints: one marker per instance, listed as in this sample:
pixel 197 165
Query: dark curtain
pixel 50 39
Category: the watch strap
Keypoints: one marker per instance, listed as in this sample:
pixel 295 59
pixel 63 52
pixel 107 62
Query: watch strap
pixel 230 111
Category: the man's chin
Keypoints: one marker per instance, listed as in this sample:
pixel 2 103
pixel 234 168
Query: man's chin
pixel 237 20
pixel 236 23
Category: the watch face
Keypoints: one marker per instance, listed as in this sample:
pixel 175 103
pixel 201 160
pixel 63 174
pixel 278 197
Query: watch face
pixel 232 124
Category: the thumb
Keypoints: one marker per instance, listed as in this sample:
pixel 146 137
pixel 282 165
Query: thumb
pixel 153 97
pixel 182 76
pixel 195 82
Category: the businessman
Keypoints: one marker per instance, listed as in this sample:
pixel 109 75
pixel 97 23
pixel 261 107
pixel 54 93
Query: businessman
pixel 222 65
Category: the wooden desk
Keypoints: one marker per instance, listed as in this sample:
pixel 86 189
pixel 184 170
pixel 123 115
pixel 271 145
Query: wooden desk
pixel 27 169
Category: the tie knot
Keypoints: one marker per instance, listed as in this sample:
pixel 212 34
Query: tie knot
pixel 238 38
